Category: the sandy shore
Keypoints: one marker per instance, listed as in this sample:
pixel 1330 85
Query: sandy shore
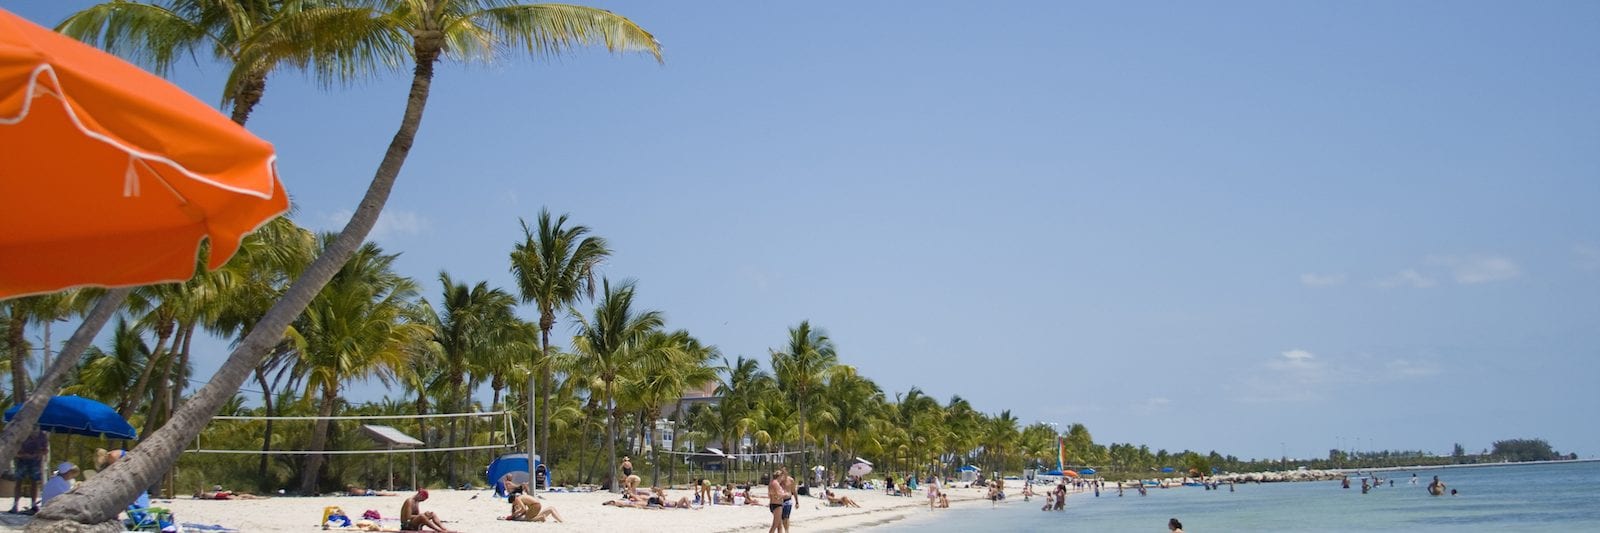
pixel 476 511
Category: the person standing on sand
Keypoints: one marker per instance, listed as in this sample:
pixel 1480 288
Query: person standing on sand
pixel 29 467
pixel 933 496
pixel 775 498
pixel 788 488
pixel 413 519
pixel 627 466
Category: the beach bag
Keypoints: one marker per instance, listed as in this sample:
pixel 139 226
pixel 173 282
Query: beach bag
pixel 371 515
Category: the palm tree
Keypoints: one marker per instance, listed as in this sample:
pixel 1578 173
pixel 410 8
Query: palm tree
pixel 739 389
pixel 800 369
pixel 554 267
pixel 467 329
pixel 850 402
pixel 107 375
pixel 354 329
pixel 332 41
pixel 609 337
pixel 471 28
pixel 666 365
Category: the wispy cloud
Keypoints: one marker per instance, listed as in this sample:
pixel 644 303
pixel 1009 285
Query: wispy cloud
pixel 1588 256
pixel 1475 269
pixel 1407 278
pixel 1312 279
pixel 1299 375
pixel 1152 405
pixel 392 223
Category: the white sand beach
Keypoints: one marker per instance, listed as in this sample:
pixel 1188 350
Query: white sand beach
pixel 478 510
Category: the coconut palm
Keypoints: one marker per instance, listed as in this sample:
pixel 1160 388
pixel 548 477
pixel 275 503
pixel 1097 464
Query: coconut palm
pixel 849 404
pixel 609 338
pixel 554 266
pixel 354 329
pixel 471 28
pixel 42 309
pixel 740 387
pixel 666 365
pixel 801 368
pixel 467 329
pixel 332 41
pixel 106 375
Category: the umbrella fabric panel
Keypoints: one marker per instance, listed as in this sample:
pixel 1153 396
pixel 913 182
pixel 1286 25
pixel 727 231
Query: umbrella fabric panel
pixel 76 415
pixel 111 176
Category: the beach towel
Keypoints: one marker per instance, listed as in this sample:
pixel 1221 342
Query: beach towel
pixel 191 526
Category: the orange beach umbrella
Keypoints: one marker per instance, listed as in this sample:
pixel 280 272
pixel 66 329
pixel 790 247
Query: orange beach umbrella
pixel 111 176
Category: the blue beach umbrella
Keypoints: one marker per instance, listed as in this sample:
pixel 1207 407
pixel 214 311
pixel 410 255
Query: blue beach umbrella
pixel 76 415
pixel 1167 469
pixel 1087 471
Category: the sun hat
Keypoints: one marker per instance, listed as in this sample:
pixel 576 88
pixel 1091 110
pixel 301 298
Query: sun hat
pixel 65 467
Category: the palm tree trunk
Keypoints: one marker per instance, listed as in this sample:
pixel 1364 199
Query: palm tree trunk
pixel 251 87
pixel 546 321
pixel 12 436
pixel 611 438
pixel 319 439
pixel 100 499
pixel 265 484
pixel 19 355
pixel 131 401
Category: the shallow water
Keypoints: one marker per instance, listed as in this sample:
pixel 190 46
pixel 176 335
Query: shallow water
pixel 1544 497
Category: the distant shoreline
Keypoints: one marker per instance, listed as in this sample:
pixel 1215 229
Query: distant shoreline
pixel 1472 465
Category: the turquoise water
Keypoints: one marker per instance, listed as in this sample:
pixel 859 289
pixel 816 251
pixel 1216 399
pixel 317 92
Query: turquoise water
pixel 1546 497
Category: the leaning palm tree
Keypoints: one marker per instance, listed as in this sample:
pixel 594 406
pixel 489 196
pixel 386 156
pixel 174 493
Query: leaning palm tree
pixel 471 28
pixel 801 368
pixel 554 266
pixel 609 337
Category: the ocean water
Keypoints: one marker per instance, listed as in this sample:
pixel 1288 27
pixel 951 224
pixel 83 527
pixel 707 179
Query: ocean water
pixel 1541 497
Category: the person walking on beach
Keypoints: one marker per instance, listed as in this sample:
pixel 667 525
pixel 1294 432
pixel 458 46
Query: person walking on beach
pixel 775 498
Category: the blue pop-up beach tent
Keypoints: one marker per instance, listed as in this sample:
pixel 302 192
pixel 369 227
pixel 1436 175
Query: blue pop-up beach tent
pixel 515 464
pixel 76 415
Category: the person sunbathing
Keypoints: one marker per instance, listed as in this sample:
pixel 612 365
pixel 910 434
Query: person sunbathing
pixel 526 508
pixel 510 485
pixel 839 501
pixel 750 499
pixel 355 490
pixel 727 496
pixel 658 498
pixel 217 493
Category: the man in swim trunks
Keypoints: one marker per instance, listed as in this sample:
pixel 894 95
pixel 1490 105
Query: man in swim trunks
pixel 412 518
pixel 776 495
pixel 29 466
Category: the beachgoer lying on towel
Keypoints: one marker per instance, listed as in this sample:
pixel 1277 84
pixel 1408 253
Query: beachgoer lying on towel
pixel 218 494
pixel 354 490
pixel 624 502
pixel 727 496
pixel 412 518
pixel 839 501
pixel 658 498
pixel 526 508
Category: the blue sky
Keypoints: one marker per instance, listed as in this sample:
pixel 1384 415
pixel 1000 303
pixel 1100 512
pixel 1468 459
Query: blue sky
pixel 1250 227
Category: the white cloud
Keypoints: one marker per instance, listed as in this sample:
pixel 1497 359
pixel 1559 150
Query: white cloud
pixel 391 223
pixel 1299 375
pixel 1407 278
pixel 1475 269
pixel 1588 256
pixel 1311 279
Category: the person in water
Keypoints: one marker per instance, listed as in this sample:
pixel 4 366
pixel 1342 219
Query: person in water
pixel 1174 525
pixel 1437 487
